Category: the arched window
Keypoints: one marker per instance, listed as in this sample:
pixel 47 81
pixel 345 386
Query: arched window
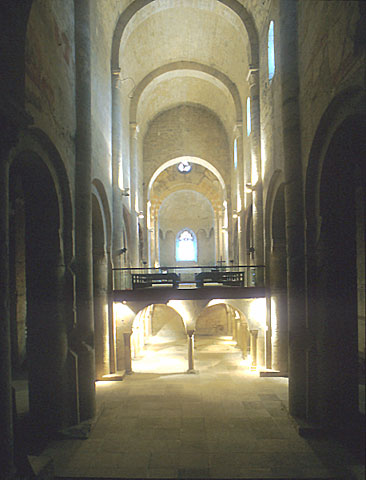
pixel 271 52
pixel 249 122
pixel 186 246
pixel 235 153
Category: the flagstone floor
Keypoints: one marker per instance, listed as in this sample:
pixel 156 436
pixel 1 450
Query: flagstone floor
pixel 223 422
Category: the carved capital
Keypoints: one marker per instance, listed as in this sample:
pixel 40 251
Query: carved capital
pixel 253 78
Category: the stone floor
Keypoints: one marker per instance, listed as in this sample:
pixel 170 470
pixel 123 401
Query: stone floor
pixel 223 422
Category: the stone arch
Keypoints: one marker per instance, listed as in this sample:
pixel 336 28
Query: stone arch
pixel 276 275
pixel 99 193
pixel 335 196
pixel 127 234
pixel 245 16
pixel 186 65
pixel 37 195
pixel 348 103
pixel 156 324
pixel 222 318
pixel 175 161
pixel 36 142
pixel 101 287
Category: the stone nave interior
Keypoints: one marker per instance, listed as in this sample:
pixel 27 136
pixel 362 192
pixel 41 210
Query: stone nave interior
pixel 181 176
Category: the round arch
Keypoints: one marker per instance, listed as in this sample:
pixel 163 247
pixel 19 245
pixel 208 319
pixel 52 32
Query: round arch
pixel 275 183
pixel 347 104
pixel 276 276
pixel 175 161
pixel 35 142
pixel 98 191
pixel 127 15
pixel 186 65
pixel 41 312
pixel 334 200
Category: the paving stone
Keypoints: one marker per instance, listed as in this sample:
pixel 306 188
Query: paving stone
pixel 222 423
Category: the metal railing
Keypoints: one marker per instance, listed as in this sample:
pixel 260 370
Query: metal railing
pixel 188 277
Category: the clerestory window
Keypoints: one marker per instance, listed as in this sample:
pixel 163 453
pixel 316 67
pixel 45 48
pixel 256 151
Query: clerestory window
pixel 235 153
pixel 249 122
pixel 186 246
pixel 271 51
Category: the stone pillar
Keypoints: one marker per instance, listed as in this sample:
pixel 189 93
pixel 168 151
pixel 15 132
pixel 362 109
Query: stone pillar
pixel 217 235
pixel 8 138
pixel 127 349
pixel 156 240
pixel 101 321
pixel 238 333
pixel 151 248
pixel 83 213
pixel 134 175
pixel 6 411
pixel 253 348
pixel 191 351
pixel 255 146
pixel 244 337
pixel 294 209
pixel 278 309
pixel 117 171
pixel 111 319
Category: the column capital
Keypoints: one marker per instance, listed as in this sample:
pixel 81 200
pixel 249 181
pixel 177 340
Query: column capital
pixel 253 78
pixel 190 332
pixel 238 129
pixel 135 129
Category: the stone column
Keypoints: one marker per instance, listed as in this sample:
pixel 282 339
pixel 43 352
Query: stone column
pixel 217 235
pixel 253 348
pixel 294 209
pixel 255 146
pixel 156 240
pixel 83 213
pixel 127 349
pixel 191 351
pixel 279 319
pixel 244 337
pixel 134 175
pixel 9 136
pixel 101 321
pixel 6 411
pixel 117 171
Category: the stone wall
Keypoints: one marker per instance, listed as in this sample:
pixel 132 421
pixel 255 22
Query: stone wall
pixel 50 74
pixel 327 63
pixel 186 130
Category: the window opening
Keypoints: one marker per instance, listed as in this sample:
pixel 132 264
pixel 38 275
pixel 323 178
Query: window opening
pixel 235 153
pixel 186 246
pixel 184 166
pixel 249 123
pixel 271 52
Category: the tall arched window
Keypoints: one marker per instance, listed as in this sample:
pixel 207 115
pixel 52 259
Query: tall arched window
pixel 235 153
pixel 249 122
pixel 186 246
pixel 271 52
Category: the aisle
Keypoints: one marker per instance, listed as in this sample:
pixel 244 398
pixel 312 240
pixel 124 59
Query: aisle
pixel 224 422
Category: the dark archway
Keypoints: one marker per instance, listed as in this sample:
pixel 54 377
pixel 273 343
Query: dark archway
pixel 278 284
pixel 37 272
pixel 336 255
pixel 100 292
